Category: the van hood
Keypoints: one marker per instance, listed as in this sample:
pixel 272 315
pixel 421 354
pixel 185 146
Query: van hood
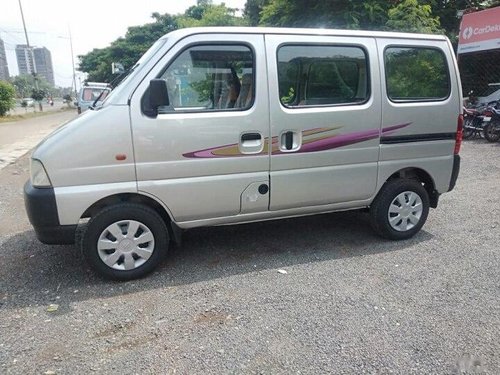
pixel 83 151
pixel 63 128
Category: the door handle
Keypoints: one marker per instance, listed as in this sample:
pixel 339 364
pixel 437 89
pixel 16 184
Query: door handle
pixel 251 143
pixel 246 137
pixel 290 141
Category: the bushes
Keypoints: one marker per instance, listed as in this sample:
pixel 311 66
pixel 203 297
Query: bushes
pixel 7 97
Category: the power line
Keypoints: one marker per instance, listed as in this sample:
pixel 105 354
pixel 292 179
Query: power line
pixel 19 41
pixel 20 31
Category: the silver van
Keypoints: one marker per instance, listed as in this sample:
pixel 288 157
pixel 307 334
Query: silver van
pixel 89 93
pixel 221 126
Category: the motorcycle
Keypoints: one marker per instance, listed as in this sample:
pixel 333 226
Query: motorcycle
pixel 491 121
pixel 473 123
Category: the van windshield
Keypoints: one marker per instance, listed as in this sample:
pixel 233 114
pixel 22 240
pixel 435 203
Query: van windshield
pixel 89 94
pixel 133 71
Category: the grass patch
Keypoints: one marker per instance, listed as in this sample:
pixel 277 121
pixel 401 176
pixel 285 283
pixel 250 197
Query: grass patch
pixel 28 115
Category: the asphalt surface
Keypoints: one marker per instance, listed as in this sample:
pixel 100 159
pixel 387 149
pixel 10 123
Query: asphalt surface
pixel 350 302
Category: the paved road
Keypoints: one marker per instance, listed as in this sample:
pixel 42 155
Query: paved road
pixel 349 303
pixel 19 137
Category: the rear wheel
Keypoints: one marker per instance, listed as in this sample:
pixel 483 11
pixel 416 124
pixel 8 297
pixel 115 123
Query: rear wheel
pixel 400 209
pixel 125 241
pixel 492 132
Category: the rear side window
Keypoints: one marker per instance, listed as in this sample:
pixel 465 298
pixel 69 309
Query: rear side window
pixel 416 74
pixel 211 77
pixel 312 75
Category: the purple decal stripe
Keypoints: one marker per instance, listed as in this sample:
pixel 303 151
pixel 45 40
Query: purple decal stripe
pixel 322 144
pixel 346 139
pixel 208 153
pixel 339 141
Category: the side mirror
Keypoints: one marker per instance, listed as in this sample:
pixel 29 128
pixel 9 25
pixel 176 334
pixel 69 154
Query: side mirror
pixel 158 94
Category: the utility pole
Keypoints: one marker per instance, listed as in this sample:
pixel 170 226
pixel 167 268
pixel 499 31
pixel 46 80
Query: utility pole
pixel 72 60
pixel 30 51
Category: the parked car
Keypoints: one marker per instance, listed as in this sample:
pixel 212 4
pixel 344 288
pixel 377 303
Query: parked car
pixel 492 94
pixel 30 102
pixel 221 126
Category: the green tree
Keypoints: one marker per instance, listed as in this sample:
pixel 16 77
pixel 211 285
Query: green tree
pixel 214 15
pixel 25 84
pixel 350 14
pixel 446 10
pixel 38 95
pixel 252 11
pixel 126 50
pixel 7 97
pixel 410 16
pixel 138 39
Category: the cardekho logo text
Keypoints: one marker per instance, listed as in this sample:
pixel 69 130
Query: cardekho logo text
pixel 469 31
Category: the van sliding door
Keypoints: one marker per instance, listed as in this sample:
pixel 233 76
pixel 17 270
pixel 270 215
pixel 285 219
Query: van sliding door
pixel 325 120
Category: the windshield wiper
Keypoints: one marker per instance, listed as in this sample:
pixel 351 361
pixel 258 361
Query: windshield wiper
pixel 92 106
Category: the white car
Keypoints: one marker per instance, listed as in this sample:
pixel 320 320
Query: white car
pixel 492 94
pixel 30 102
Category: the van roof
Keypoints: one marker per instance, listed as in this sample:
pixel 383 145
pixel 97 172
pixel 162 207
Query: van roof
pixel 96 84
pixel 180 33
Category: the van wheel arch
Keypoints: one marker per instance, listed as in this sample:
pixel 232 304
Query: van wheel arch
pixel 418 174
pixel 174 231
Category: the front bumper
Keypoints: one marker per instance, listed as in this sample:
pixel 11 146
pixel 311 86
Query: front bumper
pixel 41 208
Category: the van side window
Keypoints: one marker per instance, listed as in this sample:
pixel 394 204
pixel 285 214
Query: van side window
pixel 416 74
pixel 211 78
pixel 312 75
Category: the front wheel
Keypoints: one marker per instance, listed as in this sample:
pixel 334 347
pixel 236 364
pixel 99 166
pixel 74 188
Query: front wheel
pixel 492 132
pixel 400 209
pixel 125 241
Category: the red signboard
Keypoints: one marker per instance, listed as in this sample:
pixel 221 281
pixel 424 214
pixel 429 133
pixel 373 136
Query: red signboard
pixel 480 31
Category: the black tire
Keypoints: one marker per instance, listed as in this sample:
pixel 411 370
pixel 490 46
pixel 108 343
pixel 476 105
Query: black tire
pixel 379 209
pixel 491 132
pixel 115 214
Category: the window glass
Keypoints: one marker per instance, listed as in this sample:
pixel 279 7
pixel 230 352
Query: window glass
pixel 211 78
pixel 415 73
pixel 322 75
pixel 91 94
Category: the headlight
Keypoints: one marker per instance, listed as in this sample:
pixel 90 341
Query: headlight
pixel 39 177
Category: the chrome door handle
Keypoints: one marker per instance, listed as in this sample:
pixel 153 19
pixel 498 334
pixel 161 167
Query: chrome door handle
pixel 290 141
pixel 251 143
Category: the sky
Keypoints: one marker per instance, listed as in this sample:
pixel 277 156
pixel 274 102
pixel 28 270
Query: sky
pixel 93 24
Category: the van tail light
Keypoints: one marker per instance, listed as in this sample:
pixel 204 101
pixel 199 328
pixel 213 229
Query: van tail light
pixel 458 137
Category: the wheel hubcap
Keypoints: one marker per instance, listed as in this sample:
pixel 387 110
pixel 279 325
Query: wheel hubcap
pixel 405 211
pixel 125 245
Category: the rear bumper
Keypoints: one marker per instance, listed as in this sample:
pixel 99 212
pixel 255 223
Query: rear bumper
pixel 454 172
pixel 41 208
